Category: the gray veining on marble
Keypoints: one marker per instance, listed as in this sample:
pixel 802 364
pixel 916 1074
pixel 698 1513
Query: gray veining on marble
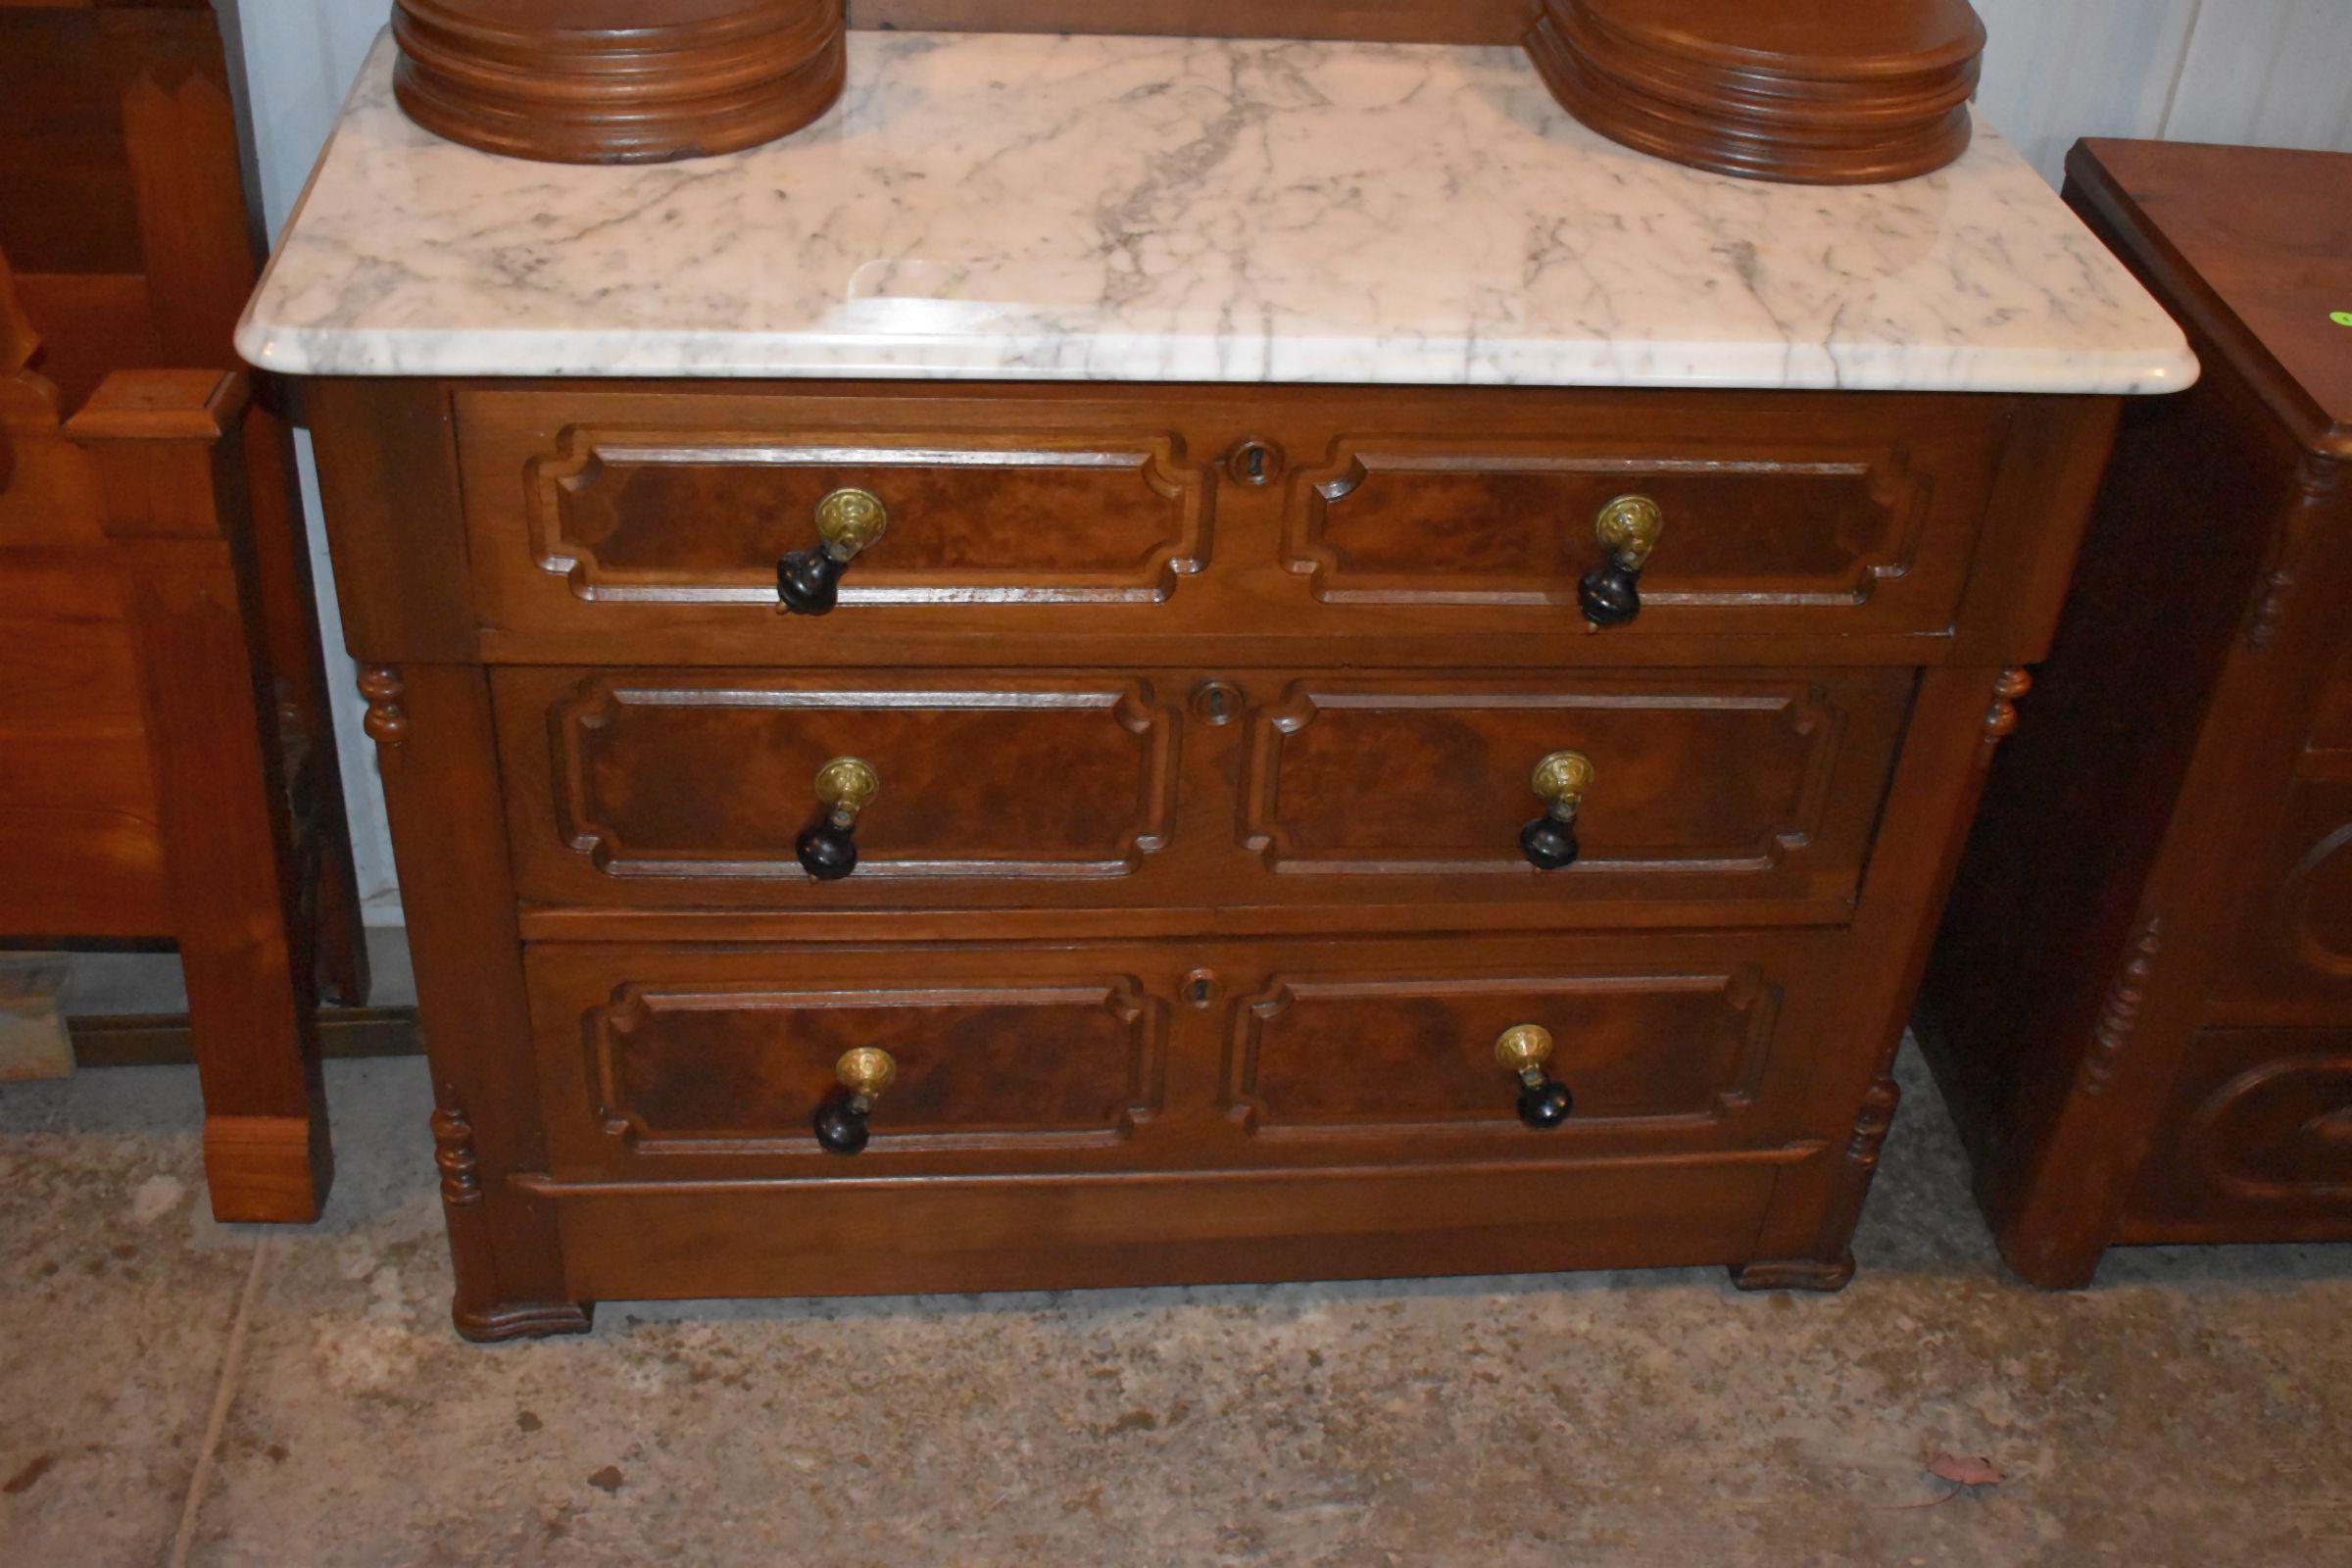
pixel 1010 206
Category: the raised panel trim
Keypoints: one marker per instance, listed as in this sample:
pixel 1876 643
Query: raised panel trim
pixel 582 453
pixel 1131 705
pixel 1811 714
pixel 1745 988
pixel 605 1027
pixel 1906 496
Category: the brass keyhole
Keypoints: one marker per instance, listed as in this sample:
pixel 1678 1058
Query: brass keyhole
pixel 1216 702
pixel 1200 988
pixel 1254 461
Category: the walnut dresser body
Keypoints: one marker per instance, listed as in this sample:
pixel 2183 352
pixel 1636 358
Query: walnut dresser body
pixel 1243 421
pixel 2140 1007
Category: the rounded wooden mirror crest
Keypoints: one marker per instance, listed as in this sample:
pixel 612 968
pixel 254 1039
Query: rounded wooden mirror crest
pixel 607 82
pixel 1813 91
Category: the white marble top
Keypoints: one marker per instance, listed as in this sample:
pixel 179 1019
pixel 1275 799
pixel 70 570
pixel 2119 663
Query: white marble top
pixel 1164 209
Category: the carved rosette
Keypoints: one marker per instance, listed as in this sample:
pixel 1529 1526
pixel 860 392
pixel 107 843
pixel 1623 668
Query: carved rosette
pixel 387 722
pixel 452 1152
pixel 2119 1013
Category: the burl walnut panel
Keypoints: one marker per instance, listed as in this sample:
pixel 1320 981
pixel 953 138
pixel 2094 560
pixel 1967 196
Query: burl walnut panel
pixel 675 775
pixel 581 499
pixel 1864 524
pixel 1767 782
pixel 1319 1054
pixel 652 1051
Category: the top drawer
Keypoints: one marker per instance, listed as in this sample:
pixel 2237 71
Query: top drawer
pixel 1461 520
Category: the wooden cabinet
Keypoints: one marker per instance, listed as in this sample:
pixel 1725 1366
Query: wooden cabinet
pixel 2139 1004
pixel 1192 903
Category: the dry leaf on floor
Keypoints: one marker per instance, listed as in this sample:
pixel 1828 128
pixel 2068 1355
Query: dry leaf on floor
pixel 1962 1470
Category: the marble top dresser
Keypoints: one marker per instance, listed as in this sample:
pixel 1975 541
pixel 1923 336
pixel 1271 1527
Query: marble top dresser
pixel 1144 660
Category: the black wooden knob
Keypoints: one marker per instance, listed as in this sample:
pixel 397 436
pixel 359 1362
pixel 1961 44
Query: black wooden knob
pixel 827 852
pixel 1543 1100
pixel 1546 1104
pixel 1628 528
pixel 843 1122
pixel 808 581
pixel 1548 843
pixel 841 1126
pixel 1611 595
pixel 1560 781
pixel 828 847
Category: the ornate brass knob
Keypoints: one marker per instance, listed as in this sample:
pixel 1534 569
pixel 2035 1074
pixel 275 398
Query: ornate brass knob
pixel 828 847
pixel 842 1121
pixel 1628 528
pixel 808 581
pixel 1543 1100
pixel 1560 781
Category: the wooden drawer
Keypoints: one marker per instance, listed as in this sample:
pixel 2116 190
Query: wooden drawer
pixel 1093 519
pixel 582 501
pixel 1179 790
pixel 2256 1144
pixel 694 1062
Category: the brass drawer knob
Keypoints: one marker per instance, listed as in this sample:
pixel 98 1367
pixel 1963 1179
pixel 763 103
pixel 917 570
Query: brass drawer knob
pixel 828 847
pixel 1543 1100
pixel 842 1121
pixel 1628 528
pixel 808 581
pixel 1560 781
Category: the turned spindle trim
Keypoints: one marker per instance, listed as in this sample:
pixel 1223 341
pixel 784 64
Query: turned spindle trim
pixel 2120 1013
pixel 454 1154
pixel 387 723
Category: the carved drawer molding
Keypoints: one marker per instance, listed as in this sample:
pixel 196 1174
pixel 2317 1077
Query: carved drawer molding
pixel 642 514
pixel 1313 1056
pixel 679 775
pixel 1712 775
pixel 740 1067
pixel 1465 523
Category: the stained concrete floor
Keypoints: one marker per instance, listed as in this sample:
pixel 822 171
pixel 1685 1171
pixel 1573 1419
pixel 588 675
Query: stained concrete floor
pixel 175 1391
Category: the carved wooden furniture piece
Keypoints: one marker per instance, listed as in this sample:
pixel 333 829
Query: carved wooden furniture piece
pixel 2142 1004
pixel 167 762
pixel 948 827
pixel 1188 906
pixel 617 80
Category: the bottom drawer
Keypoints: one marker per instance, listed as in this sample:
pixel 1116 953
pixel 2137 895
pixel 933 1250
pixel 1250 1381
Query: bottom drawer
pixel 683 1064
pixel 2256 1144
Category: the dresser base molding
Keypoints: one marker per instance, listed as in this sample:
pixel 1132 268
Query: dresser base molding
pixel 623 1241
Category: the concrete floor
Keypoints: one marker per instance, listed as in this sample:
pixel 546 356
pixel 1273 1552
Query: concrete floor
pixel 172 1390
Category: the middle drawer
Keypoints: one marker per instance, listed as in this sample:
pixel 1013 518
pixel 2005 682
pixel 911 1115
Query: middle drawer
pixel 1200 790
